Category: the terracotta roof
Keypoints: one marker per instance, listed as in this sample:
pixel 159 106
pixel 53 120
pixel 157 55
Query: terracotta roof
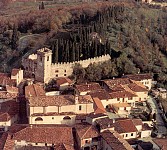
pixel 111 83
pixel 12 89
pixel 9 144
pixel 101 94
pixel 88 87
pixel 84 99
pixel 3 140
pixel 34 90
pixel 137 88
pixel 86 131
pixel 122 94
pixel 60 100
pixel 121 105
pixel 6 95
pixel 115 141
pixel 62 80
pixel 105 123
pixel 15 72
pixel 137 122
pixel 162 143
pixel 98 106
pixel 43 134
pixel 7 81
pixel 8 110
pixel 94 115
pixel 139 77
pixel 125 126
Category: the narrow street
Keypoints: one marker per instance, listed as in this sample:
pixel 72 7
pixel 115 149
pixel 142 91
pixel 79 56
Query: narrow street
pixel 159 121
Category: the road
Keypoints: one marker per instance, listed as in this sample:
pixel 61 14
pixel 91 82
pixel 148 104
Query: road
pixel 159 121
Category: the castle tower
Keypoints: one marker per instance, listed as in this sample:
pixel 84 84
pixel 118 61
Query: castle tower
pixel 44 61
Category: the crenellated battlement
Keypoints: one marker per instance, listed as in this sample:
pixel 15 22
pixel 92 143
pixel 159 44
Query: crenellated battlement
pixel 41 66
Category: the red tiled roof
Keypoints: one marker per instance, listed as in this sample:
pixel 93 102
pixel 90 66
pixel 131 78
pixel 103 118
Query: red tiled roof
pixel 63 80
pixel 84 99
pixel 44 134
pixel 9 144
pixel 15 72
pixel 138 77
pixel 125 126
pixel 8 110
pixel 7 81
pixel 137 122
pixel 60 100
pixel 115 141
pixel 34 90
pixel 121 105
pixel 11 89
pixel 137 88
pixel 86 131
pixel 105 123
pixel 88 87
pixel 101 94
pixel 162 143
pixel 98 106
pixel 122 94
pixel 3 140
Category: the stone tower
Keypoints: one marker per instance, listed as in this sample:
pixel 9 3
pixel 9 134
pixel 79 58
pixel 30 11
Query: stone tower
pixel 44 61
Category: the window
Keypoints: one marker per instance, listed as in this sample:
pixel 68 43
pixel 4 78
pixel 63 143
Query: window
pixel 131 134
pixel 56 70
pixel 36 143
pixel 38 119
pixel 118 99
pixel 64 74
pixel 52 117
pixel 48 58
pixel 41 58
pixel 45 144
pixel 80 107
pixel 56 75
pixel 126 135
pixel 64 70
pixel 66 118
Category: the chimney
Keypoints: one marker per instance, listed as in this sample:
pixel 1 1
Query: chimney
pixel 109 126
pixel 31 126
pixel 113 120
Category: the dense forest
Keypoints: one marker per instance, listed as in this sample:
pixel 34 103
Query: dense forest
pixel 134 34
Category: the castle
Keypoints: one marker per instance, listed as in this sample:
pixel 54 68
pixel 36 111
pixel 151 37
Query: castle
pixel 40 66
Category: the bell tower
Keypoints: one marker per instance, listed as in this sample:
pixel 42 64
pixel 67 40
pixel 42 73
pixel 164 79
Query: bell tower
pixel 44 61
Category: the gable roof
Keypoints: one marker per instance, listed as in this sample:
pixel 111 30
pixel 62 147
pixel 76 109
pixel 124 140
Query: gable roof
pixel 84 99
pixel 115 141
pixel 122 94
pixel 62 80
pixel 98 106
pixel 34 90
pixel 139 77
pixel 8 110
pixel 86 131
pixel 100 94
pixel 43 134
pixel 88 87
pixel 44 101
pixel 125 126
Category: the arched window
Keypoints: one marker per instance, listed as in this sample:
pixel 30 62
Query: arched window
pixel 66 118
pixel 39 119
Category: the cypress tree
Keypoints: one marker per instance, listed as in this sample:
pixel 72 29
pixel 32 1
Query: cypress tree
pixel 14 39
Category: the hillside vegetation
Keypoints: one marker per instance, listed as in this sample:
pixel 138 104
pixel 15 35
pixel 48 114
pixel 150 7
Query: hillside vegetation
pixel 134 35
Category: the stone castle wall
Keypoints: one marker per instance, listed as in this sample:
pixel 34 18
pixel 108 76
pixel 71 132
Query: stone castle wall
pixel 66 69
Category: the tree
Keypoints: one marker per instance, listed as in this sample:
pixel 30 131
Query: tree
pixel 14 39
pixel 78 73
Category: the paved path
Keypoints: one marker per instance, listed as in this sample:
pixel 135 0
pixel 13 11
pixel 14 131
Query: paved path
pixel 159 121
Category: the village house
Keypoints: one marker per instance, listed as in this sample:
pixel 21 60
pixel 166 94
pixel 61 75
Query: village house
pixel 145 79
pixel 84 89
pixel 127 128
pixel 9 114
pixel 38 136
pixel 55 109
pixel 87 136
pixel 63 83
pixel 17 74
pixel 111 140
